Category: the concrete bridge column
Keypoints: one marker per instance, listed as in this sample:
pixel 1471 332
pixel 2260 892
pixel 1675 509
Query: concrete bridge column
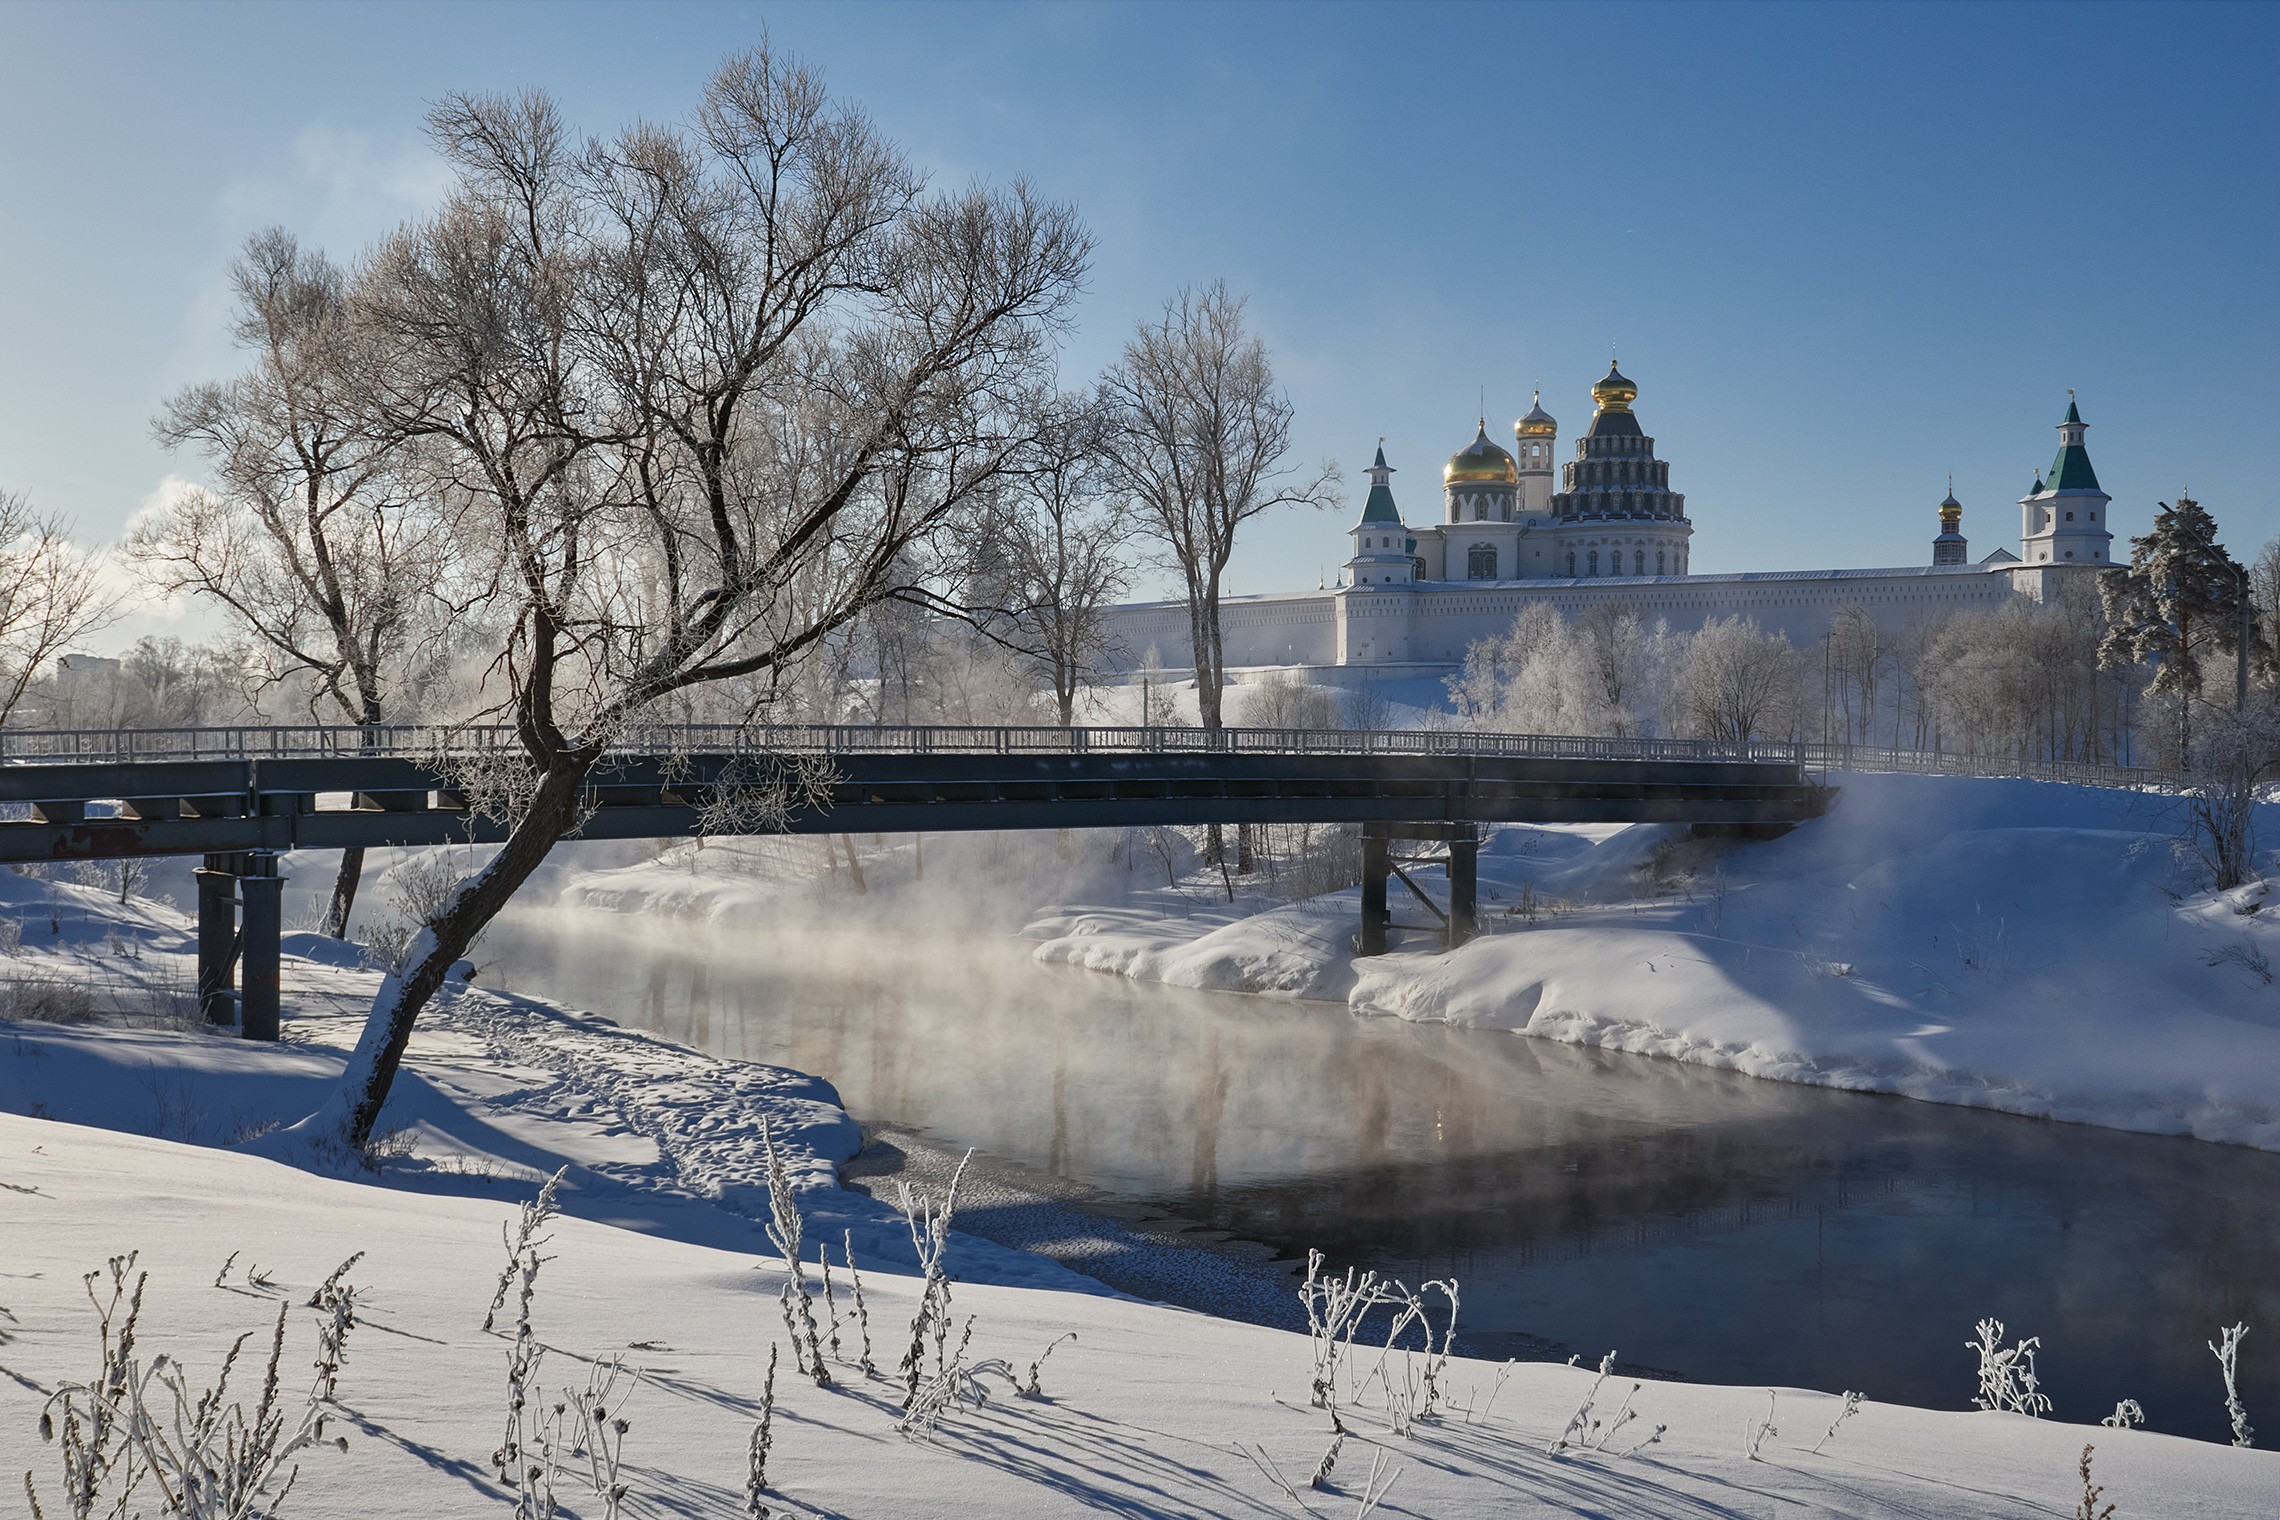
pixel 217 938
pixel 262 891
pixel 1464 890
pixel 1376 867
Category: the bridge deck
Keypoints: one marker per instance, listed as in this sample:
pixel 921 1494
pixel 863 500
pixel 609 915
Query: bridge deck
pixel 178 807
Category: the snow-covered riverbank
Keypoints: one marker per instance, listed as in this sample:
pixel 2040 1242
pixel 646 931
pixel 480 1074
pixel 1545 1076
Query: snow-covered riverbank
pixel 2013 945
pixel 663 1258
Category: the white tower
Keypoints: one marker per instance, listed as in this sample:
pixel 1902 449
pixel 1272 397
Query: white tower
pixel 2062 521
pixel 1534 437
pixel 1384 551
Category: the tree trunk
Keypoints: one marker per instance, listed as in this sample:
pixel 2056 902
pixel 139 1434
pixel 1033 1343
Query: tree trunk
pixel 344 892
pixel 1243 849
pixel 854 866
pixel 371 1069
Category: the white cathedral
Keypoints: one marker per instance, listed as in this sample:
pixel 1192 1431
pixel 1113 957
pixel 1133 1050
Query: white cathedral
pixel 1413 597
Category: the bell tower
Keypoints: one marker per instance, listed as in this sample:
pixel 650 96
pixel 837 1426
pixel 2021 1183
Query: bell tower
pixel 1534 437
pixel 1951 547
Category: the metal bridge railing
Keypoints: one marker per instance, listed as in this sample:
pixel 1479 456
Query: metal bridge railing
pixel 426 742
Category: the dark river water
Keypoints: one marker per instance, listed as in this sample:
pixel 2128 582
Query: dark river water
pixel 1708 1225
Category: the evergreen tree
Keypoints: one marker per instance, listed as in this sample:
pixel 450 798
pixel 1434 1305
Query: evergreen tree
pixel 2179 596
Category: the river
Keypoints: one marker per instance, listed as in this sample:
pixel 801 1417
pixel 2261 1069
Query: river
pixel 1702 1224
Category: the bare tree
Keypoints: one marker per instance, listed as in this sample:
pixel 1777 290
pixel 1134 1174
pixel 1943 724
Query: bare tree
pixel 50 597
pixel 1066 540
pixel 305 542
pixel 1737 683
pixel 1617 646
pixel 698 398
pixel 1198 429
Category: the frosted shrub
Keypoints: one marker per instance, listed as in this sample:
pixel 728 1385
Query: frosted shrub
pixel 785 1226
pixel 1419 1392
pixel 929 1236
pixel 2126 1416
pixel 756 1450
pixel 1852 1407
pixel 136 1422
pixel 1754 1434
pixel 2091 1492
pixel 2227 1353
pixel 954 1381
pixel 523 1260
pixel 2007 1374
pixel 1335 1308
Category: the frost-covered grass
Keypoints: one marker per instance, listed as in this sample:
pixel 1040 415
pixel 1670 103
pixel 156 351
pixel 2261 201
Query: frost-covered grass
pixel 2021 946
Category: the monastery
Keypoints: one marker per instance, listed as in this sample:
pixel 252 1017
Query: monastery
pixel 1413 596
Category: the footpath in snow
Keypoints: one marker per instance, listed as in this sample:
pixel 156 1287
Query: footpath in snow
pixel 2015 945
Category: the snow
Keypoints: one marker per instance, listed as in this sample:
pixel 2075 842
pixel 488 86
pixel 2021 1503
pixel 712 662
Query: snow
pixel 1814 962
pixel 1140 1417
pixel 2015 945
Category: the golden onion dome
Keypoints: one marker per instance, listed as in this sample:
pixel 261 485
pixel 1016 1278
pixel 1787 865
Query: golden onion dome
pixel 1538 423
pixel 1614 393
pixel 1480 460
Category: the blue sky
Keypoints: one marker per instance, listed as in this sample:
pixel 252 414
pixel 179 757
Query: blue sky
pixel 1844 249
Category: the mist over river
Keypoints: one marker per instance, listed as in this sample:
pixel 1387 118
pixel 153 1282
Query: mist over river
pixel 1706 1225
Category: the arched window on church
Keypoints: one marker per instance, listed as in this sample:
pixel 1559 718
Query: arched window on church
pixel 1480 509
pixel 1638 562
pixel 1480 564
pixel 1658 562
pixel 1571 564
pixel 1595 562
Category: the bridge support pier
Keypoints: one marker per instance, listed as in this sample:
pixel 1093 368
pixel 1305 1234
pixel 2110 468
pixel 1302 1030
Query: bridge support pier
pixel 262 892
pixel 1459 923
pixel 240 921
pixel 1376 859
pixel 217 938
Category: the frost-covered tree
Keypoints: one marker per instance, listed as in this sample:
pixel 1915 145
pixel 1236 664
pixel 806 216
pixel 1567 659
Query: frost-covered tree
pixel 1619 649
pixel 696 398
pixel 1198 432
pixel 1736 682
pixel 1282 700
pixel 50 595
pixel 306 540
pixel 1066 540
pixel 2178 597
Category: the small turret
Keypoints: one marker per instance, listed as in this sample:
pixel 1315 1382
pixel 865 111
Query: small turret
pixel 1384 552
pixel 1951 548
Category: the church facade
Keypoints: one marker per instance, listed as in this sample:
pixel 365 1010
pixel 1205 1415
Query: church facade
pixel 1606 527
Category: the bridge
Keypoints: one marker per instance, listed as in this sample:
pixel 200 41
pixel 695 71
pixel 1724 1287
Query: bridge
pixel 240 797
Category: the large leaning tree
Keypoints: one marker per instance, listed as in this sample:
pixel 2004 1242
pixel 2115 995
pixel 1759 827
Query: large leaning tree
pixel 690 400
pixel 306 537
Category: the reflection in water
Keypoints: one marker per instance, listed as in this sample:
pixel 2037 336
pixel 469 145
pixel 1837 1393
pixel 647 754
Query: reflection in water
pixel 1724 1228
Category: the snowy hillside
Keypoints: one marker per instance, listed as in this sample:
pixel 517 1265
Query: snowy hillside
pixel 2012 945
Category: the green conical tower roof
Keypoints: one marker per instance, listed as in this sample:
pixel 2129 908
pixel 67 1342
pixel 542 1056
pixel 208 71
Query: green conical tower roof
pixel 1380 508
pixel 2071 471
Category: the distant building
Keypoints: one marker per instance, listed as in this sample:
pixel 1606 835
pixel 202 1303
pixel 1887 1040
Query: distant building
pixel 1413 597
